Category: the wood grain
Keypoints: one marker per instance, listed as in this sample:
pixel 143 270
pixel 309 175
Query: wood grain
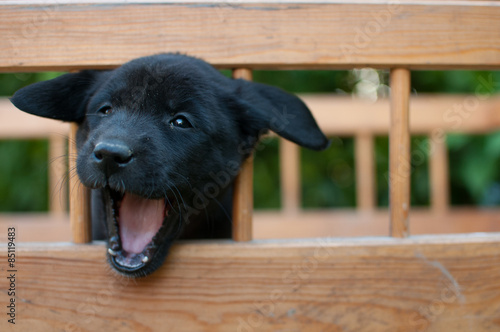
pixel 79 197
pixel 265 34
pixel 243 187
pixel 399 153
pixel 423 284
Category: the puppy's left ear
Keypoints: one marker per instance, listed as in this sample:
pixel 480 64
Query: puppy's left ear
pixel 63 98
pixel 264 107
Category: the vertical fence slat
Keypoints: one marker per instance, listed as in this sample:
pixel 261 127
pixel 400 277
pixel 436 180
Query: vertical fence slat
pixel 399 153
pixel 438 169
pixel 79 203
pixel 58 197
pixel 243 187
pixel 290 176
pixel 365 172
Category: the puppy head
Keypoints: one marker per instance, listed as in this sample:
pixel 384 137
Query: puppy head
pixel 152 134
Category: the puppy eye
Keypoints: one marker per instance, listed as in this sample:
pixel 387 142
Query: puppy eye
pixel 105 110
pixel 181 122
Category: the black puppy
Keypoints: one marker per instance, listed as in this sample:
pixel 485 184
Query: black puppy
pixel 161 139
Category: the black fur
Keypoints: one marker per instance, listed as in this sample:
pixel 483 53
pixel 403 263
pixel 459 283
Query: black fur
pixel 132 113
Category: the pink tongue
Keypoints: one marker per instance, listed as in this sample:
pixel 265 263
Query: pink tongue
pixel 140 220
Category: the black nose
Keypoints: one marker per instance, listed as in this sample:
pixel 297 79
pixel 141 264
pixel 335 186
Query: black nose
pixel 110 155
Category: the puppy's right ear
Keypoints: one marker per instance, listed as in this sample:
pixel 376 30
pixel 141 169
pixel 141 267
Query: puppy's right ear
pixel 63 98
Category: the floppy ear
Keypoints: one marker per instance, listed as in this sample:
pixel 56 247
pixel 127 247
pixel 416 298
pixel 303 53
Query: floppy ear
pixel 264 107
pixel 63 98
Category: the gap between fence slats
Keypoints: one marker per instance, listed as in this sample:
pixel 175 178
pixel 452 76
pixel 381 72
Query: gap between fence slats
pixel 439 177
pixel 79 204
pixel 365 172
pixel 399 153
pixel 243 187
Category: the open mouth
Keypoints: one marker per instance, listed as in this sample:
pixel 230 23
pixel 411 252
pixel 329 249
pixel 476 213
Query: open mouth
pixel 137 228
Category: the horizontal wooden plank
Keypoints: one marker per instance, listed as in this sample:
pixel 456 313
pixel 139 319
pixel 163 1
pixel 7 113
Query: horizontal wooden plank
pixel 347 223
pixel 420 284
pixel 264 34
pixel 37 227
pixel 15 124
pixel 429 114
pixel 287 225
pixel 337 115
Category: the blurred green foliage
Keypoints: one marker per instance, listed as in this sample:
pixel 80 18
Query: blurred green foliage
pixel 455 81
pixel 23 175
pixel 267 193
pixel 475 175
pixel 10 83
pixel 328 177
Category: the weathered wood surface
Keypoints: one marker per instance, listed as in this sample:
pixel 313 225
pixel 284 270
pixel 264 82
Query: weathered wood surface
pixel 261 34
pixel 422 284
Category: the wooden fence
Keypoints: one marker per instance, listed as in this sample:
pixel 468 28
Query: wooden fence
pixel 399 282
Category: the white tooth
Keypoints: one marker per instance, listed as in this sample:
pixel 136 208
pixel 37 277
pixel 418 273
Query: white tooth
pixel 145 259
pixel 112 252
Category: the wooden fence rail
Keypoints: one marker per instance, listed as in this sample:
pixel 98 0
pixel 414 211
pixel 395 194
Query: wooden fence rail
pixel 251 34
